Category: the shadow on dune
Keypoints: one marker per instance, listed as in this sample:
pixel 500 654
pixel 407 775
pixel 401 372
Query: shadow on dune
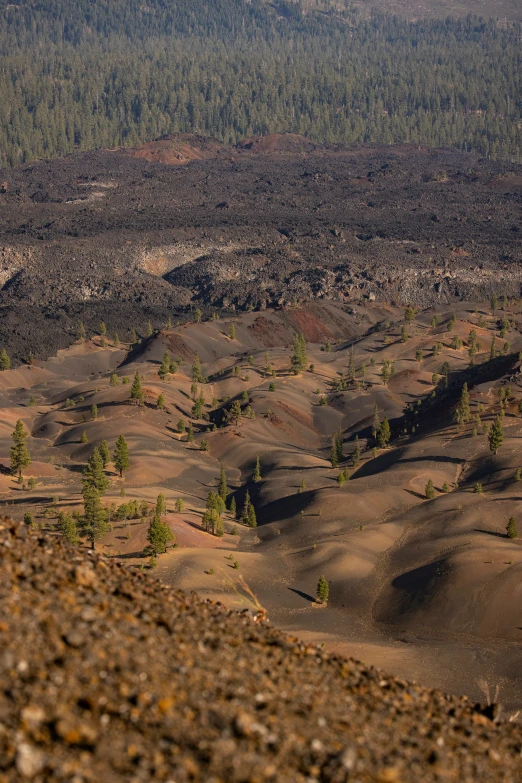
pixel 302 595
pixel 490 532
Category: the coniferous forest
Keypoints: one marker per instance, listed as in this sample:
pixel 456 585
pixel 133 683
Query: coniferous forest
pixel 83 74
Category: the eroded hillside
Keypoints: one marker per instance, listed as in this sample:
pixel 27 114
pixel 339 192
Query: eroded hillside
pixel 423 585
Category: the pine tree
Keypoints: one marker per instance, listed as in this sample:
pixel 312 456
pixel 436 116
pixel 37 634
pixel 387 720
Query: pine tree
pixel 257 472
pixel 232 332
pixel 103 329
pixel 161 504
pixel 94 411
pixel 159 535
pixel 462 411
pixel 150 330
pixel 235 414
pixel 233 507
pixel 121 455
pixel 93 524
pixel 430 490
pixel 334 458
pixel 493 349
pixel 80 332
pixel 20 457
pixel 68 527
pixel 222 489
pixel 299 358
pixel 409 314
pixel 190 433
pixel 356 453
pixel 83 437
pixel 164 368
pixel 179 505
pixel 197 375
pixel 93 473
pixel 136 393
pixel 384 434
pixel 198 315
pixel 419 355
pixel 160 402
pixel 323 590
pixel 495 436
pixel 116 340
pixel 5 361
pixel 114 381
pixel 511 528
pixel 376 420
pixel 404 334
pixel 494 304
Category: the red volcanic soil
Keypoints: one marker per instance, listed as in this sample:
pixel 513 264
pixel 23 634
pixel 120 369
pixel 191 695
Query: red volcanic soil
pixel 178 150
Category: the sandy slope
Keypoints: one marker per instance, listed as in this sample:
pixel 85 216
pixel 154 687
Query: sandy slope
pixel 426 588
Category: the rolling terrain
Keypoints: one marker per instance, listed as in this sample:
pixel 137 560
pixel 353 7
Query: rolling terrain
pixel 426 587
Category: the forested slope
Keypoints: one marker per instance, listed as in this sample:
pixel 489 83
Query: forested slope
pixel 83 75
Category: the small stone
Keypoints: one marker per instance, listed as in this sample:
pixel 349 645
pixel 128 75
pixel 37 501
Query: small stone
pixel 85 576
pixel 29 760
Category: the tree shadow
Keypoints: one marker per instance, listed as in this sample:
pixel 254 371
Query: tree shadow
pixel 302 595
pixel 490 533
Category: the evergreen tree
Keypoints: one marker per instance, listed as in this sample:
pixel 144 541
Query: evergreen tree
pixel 104 453
pixel 121 455
pixel 164 366
pixel 299 358
pixel 493 349
pixel 257 472
pixel 356 453
pixel 430 490
pixel 161 505
pixel 179 505
pixel 384 434
pixel 20 457
pixel 511 528
pixel 233 508
pixel 323 590
pixel 223 489
pixel 83 437
pixel 334 457
pixel 93 524
pixel 114 381
pixel 198 315
pixel 232 332
pixel 93 473
pixel 159 535
pixel 462 411
pixel 235 414
pixel 376 420
pixel 136 393
pixel 68 527
pixel 80 332
pixel 160 402
pixel 409 314
pixel 5 361
pixel 94 411
pixel 197 375
pixel 495 436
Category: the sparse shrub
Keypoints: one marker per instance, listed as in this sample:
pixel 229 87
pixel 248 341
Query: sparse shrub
pixel 511 528
pixel 429 492
pixel 210 571
pixel 478 488
pixel 271 387
pixel 323 590
pixel 236 564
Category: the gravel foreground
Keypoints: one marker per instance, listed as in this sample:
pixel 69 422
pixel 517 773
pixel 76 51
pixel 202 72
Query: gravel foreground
pixel 108 675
